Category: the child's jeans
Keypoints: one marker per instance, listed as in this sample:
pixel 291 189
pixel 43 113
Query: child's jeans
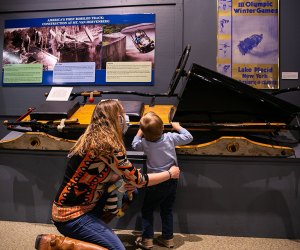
pixel 162 195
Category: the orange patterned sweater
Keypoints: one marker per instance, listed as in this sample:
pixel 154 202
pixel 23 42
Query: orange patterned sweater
pixel 84 183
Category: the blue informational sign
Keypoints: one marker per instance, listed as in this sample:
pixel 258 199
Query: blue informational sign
pixel 76 42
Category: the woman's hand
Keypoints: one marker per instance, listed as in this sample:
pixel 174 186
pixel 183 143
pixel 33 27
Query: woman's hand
pixel 114 178
pixel 129 187
pixel 175 172
pixel 156 178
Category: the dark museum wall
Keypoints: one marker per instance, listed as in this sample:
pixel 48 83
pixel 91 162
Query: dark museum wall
pixel 178 23
pixel 256 197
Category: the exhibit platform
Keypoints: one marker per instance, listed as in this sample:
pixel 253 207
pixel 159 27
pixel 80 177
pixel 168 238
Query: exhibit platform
pixel 226 196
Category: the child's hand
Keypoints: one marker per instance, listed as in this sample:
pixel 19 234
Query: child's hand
pixel 176 126
pixel 140 133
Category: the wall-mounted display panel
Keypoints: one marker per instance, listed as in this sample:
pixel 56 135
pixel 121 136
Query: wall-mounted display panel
pixel 80 50
pixel 168 45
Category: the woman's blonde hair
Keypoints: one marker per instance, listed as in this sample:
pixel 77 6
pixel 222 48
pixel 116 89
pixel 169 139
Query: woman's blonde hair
pixel 152 126
pixel 104 135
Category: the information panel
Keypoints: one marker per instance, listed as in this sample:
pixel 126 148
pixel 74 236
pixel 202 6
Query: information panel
pixel 75 50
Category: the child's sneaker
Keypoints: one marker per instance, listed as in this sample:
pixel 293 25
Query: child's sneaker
pixel 144 243
pixel 167 243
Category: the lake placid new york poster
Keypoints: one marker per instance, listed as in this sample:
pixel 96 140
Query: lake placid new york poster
pixel 248 42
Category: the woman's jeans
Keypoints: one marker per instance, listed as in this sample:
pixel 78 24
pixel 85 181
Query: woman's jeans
pixel 162 195
pixel 89 227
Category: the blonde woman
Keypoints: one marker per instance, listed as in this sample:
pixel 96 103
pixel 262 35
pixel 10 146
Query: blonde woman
pixel 97 159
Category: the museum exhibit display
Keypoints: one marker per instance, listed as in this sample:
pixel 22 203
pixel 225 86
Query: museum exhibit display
pixel 225 116
pixel 240 174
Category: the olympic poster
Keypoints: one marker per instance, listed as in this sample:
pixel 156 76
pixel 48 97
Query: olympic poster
pixel 79 50
pixel 248 47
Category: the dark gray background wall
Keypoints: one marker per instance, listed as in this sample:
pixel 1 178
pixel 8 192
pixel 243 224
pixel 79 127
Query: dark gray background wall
pixel 217 195
pixel 169 33
pixel 178 23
